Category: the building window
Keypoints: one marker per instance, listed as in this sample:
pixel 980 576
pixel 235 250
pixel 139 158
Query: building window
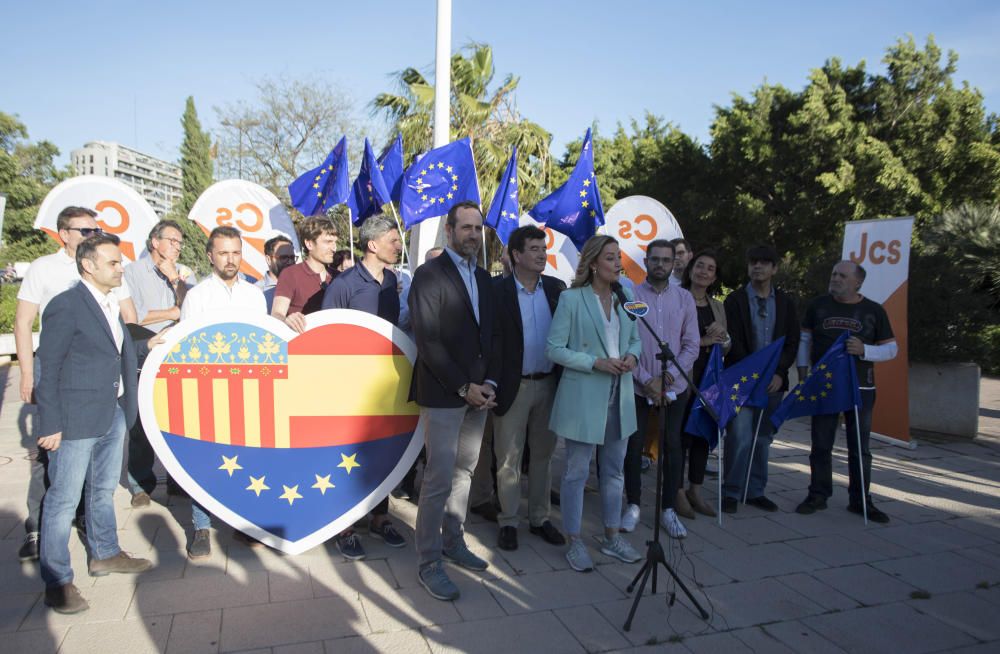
pixel 91 170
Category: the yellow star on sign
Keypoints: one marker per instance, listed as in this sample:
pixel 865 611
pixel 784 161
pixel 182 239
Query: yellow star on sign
pixel 257 485
pixel 583 194
pixel 822 393
pixel 736 387
pixel 440 165
pixel 449 168
pixel 755 376
pixel 230 465
pixel 454 178
pixel 822 366
pixel 317 178
pixel 424 197
pixel 829 375
pixel 322 483
pixel 315 185
pixel 454 187
pixel 423 172
pixel 593 213
pixel 802 398
pixel 829 385
pixel 812 398
pixel 450 196
pixel 348 462
pixel 586 182
pixel 381 167
pixel 291 494
pixel 441 200
pixel 420 180
pixel 585 204
pixel 744 379
pixel 733 397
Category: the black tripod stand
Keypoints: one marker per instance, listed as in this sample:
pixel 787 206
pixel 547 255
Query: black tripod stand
pixel 654 551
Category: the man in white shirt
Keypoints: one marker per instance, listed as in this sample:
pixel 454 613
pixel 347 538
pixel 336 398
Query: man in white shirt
pixel 682 256
pixel 47 277
pixel 223 291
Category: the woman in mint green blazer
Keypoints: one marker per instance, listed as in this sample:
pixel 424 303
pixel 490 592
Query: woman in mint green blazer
pixel 597 345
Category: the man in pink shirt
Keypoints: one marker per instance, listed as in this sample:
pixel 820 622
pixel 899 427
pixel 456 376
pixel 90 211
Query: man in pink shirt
pixel 673 317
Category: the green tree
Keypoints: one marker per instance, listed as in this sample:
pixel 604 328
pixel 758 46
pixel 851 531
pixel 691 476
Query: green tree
pixel 196 158
pixel 27 173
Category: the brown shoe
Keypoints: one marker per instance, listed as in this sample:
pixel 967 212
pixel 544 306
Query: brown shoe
pixel 698 504
pixel 140 500
pixel 121 562
pixel 65 599
pixel 682 507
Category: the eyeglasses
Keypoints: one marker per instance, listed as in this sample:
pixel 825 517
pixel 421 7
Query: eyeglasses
pixel 762 307
pixel 176 242
pixel 87 232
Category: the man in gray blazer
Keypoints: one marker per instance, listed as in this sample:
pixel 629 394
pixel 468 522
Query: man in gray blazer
pixel 86 400
pixel 451 310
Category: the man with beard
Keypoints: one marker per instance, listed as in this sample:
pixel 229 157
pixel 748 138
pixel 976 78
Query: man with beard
pixel 223 291
pixel 451 309
pixel 300 288
pixel 682 256
pixel 279 254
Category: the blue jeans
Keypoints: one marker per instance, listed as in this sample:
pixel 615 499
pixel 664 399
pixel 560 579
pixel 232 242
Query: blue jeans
pixel 824 433
pixel 199 516
pixel 98 461
pixel 739 441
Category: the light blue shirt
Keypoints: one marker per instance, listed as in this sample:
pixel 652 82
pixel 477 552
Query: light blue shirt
pixel 763 325
pixel 467 271
pixel 536 318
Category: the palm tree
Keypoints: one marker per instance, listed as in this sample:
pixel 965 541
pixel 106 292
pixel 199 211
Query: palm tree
pixel 491 121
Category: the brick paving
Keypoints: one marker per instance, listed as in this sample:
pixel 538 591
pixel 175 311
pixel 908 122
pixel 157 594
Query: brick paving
pixel 927 582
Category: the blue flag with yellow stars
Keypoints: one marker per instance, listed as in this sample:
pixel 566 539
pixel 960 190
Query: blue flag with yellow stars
pixel 575 208
pixel 368 193
pixel 322 188
pixel 441 179
pixel 699 422
pixel 741 384
pixel 830 387
pixel 505 209
pixel 390 164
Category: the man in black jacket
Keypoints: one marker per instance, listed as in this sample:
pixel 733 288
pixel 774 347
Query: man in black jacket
pixel 454 382
pixel 757 314
pixel 525 301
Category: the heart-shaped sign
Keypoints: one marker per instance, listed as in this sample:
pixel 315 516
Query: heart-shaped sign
pixel 290 438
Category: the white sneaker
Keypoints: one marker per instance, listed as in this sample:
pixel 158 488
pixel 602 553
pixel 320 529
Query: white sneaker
pixel 630 518
pixel 672 524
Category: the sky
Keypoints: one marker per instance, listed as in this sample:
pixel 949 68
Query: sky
pixel 121 71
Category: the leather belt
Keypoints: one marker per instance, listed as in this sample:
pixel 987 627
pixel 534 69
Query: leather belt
pixel 536 375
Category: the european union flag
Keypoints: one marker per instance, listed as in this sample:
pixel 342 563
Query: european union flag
pixel 830 387
pixel 441 179
pixel 699 422
pixel 505 209
pixel 368 193
pixel 575 208
pixel 743 383
pixel 324 187
pixel 390 164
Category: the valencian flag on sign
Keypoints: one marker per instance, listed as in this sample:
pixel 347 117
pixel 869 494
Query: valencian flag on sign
pixel 244 414
pixel 505 211
pixel 830 387
pixel 441 179
pixel 368 193
pixel 741 384
pixel 390 164
pixel 322 188
pixel 575 208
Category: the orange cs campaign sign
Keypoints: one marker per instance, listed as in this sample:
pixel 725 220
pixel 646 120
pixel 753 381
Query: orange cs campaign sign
pixel 290 438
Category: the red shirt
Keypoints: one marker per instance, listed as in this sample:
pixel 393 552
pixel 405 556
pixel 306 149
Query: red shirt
pixel 303 288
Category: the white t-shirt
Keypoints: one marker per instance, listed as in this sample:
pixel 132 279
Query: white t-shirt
pixel 212 294
pixel 52 274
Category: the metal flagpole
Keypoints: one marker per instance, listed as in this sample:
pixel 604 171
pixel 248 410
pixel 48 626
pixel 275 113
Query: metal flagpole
pixel 722 466
pixel 350 230
pixel 753 447
pixel 861 466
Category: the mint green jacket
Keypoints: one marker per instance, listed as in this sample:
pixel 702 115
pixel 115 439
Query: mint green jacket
pixel 576 340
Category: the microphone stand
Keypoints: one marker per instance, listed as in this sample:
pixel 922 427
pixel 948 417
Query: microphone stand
pixel 654 551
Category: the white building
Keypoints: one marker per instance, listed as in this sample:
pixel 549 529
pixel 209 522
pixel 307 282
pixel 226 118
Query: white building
pixel 158 181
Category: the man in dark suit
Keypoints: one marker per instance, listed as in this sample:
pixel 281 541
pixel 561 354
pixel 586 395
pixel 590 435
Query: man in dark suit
pixel 757 314
pixel 451 311
pixel 86 400
pixel 525 301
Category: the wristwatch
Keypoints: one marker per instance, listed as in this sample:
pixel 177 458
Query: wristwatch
pixel 463 390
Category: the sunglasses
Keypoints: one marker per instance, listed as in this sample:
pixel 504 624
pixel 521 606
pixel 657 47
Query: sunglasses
pixel 87 232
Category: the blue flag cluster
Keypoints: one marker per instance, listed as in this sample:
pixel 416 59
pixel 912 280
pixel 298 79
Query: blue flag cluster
pixel 575 208
pixel 830 387
pixel 390 164
pixel 505 209
pixel 369 192
pixel 439 180
pixel 324 187
pixel 728 391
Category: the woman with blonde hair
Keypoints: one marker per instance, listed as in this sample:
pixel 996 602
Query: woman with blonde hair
pixel 597 345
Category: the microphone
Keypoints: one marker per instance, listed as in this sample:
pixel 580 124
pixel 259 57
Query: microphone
pixel 634 308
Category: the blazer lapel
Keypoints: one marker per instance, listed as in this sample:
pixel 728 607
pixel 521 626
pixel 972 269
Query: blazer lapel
pixel 451 272
pixel 95 308
pixel 595 310
pixel 513 306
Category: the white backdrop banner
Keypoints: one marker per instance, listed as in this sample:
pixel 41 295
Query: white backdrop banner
pixel 636 221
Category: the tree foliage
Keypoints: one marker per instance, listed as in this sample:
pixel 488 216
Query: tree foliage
pixel 196 158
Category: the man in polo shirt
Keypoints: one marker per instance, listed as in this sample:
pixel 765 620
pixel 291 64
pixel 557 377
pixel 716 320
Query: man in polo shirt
pixel 371 287
pixel 279 254
pixel 46 278
pixel 300 287
pixel 159 283
pixel 223 291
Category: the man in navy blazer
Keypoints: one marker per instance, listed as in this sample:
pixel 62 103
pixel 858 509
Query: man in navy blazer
pixel 86 400
pixel 451 311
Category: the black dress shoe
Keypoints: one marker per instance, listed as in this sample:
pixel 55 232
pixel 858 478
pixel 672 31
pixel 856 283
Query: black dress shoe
pixel 507 540
pixel 549 534
pixel 486 511
pixel 730 505
pixel 763 503
pixel 874 515
pixel 811 504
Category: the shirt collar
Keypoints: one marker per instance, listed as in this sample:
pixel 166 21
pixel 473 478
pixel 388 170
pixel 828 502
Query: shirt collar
pixel 649 287
pixel 101 298
pixel 752 293
pixel 458 259
pixel 521 287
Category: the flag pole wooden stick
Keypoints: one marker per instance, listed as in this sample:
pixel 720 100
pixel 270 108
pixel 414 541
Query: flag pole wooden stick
pixel 350 230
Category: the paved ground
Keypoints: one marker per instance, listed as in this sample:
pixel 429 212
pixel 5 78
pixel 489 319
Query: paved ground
pixel 927 582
